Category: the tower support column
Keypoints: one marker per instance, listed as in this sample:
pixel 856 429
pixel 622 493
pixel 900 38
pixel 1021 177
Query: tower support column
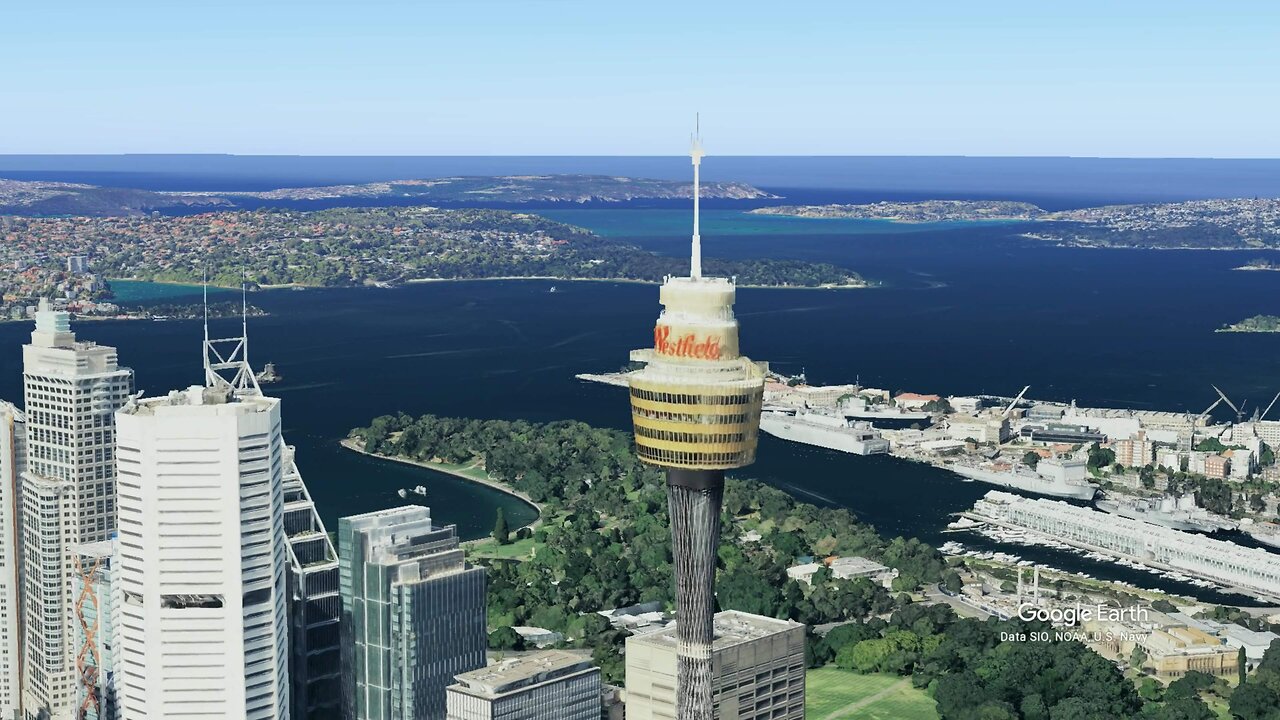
pixel 695 498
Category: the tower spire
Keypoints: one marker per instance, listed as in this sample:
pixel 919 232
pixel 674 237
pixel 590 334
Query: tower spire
pixel 226 360
pixel 696 154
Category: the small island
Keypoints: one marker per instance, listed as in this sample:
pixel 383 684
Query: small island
pixel 1259 264
pixel 1255 324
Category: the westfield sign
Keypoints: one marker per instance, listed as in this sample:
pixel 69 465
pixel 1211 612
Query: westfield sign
pixel 688 346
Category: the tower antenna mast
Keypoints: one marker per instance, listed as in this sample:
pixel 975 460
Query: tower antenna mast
pixel 696 154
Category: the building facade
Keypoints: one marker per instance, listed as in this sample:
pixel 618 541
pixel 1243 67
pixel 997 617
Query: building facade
pixel 315 605
pixel 757 670
pixel 13 458
pixel 71 391
pixel 553 685
pixel 413 614
pixel 93 586
pixel 202 632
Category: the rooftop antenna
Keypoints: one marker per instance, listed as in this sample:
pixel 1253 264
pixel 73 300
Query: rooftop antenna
pixel 695 154
pixel 226 360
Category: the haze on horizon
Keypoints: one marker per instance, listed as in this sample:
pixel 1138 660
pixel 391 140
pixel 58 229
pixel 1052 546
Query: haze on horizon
pixel 501 77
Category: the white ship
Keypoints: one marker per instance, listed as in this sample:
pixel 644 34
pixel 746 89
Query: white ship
pixel 827 431
pixel 861 408
pixel 1176 513
pixel 1021 477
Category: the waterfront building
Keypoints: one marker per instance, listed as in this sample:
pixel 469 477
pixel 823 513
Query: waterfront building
pixel 202 631
pixel 695 407
pixel 413 614
pixel 914 401
pixel 13 458
pixel 991 428
pixel 1245 569
pixel 757 662
pixel 553 685
pixel 71 390
pixel 93 588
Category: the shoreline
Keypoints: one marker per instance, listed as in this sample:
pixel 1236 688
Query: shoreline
pixel 503 488
pixel 551 278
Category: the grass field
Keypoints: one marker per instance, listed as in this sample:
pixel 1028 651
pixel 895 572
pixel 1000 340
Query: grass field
pixel 838 694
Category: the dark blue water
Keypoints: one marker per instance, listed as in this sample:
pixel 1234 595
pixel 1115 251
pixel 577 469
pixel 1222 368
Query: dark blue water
pixel 1051 182
pixel 964 311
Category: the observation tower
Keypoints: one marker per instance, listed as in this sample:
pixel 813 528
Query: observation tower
pixel 695 407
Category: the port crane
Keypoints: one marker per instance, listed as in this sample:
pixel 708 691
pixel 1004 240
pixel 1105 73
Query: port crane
pixel 1257 417
pixel 1016 400
pixel 1239 410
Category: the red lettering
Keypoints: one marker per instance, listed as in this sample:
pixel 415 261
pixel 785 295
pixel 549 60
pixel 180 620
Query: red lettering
pixel 688 346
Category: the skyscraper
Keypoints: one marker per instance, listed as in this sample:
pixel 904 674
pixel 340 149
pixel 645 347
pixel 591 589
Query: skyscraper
pixel 314 605
pixel 13 458
pixel 696 410
pixel 413 614
pixel 72 389
pixel 203 625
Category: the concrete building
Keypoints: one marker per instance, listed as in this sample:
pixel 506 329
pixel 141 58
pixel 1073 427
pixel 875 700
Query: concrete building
pixel 203 632
pixel 1171 651
pixel 982 428
pixel 94 591
pixel 13 458
pixel 413 614
pixel 757 670
pixel 71 391
pixel 695 409
pixel 914 401
pixel 77 264
pixel 553 685
pixel 844 568
pixel 1255 643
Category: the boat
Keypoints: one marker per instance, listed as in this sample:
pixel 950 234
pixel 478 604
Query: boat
pixel 160 318
pixel 1174 513
pixel 402 493
pixel 1021 477
pixel 825 431
pixel 269 374
pixel 553 289
pixel 420 490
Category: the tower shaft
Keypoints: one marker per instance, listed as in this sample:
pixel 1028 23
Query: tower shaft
pixel 694 498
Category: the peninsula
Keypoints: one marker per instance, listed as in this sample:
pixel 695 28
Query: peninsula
pixel 1220 224
pixel 19 197
pixel 928 211
pixel 341 247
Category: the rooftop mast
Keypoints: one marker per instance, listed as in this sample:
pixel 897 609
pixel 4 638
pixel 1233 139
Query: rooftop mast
pixel 696 154
pixel 225 368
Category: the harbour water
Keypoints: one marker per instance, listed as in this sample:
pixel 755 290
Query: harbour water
pixel 968 309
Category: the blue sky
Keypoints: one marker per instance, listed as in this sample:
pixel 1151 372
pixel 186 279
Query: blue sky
pixel 481 77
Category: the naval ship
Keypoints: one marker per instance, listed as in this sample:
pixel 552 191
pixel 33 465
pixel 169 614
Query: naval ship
pixel 826 431
pixel 1021 477
pixel 1175 513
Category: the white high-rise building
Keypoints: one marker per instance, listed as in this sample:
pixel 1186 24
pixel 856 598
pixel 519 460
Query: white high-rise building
pixel 202 629
pixel 552 685
pixel 72 390
pixel 12 461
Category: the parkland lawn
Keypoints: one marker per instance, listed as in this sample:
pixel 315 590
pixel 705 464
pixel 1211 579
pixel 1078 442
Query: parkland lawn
pixel 835 694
